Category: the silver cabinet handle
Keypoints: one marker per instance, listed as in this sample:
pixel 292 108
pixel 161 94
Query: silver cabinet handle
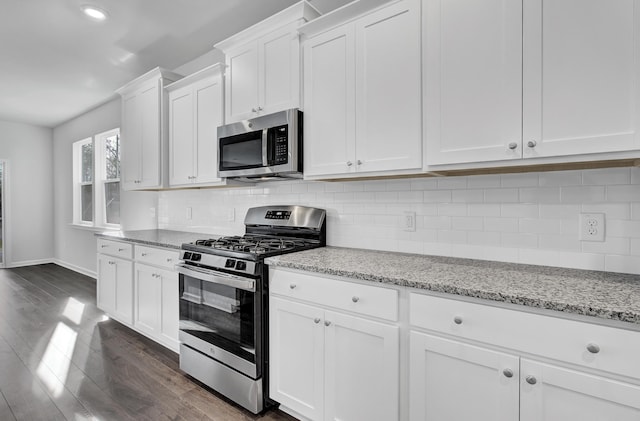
pixel 120 249
pixel 253 110
pixel 532 143
pixel 259 108
pixel 292 286
pixel 169 260
pixel 593 348
pixel 103 246
pixel 508 373
pixel 359 162
pixel 111 262
pixel 513 145
pixel 316 320
pixel 349 163
pixel 355 299
pixel 531 380
pixel 457 320
pixel 143 254
pixel 327 323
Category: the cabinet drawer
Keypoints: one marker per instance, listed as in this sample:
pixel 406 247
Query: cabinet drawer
pixel 590 345
pixel 363 299
pixel 115 248
pixel 166 258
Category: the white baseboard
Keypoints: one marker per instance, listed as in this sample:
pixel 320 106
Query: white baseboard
pixel 75 268
pixel 28 263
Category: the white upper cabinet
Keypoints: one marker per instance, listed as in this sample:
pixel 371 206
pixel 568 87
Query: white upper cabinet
pixel 195 112
pixel 531 78
pixel 263 65
pixel 362 94
pixel 143 131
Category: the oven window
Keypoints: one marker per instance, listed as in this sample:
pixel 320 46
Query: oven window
pixel 218 314
pixel 241 151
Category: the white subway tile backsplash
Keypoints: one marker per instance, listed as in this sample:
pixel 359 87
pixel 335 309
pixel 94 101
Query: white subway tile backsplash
pixel 519 180
pixel 483 209
pixel 582 194
pixel 528 217
pixel 467 196
pixel 467 223
pixel 630 193
pixel 606 176
pixel 560 178
pixel 540 195
pixel 501 195
pixel 520 210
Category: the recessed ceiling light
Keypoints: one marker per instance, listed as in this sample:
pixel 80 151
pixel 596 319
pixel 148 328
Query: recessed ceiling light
pixel 94 12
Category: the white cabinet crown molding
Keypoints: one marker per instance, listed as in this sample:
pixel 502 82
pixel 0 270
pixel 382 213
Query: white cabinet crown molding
pixel 213 70
pixel 299 11
pixel 153 74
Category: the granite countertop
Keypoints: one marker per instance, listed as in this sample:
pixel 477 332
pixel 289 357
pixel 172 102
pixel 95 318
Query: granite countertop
pixel 606 295
pixel 155 237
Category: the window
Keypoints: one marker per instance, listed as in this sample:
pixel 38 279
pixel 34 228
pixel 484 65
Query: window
pixel 96 164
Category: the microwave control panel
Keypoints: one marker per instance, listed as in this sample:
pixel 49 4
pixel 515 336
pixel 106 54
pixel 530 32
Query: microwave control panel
pixel 278 152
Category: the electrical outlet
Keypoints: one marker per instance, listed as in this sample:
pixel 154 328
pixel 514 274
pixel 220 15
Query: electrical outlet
pixel 409 221
pixel 592 227
pixel 189 212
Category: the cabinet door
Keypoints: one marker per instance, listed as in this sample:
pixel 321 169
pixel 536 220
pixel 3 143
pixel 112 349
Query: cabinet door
pixel 329 103
pixel 581 76
pixel 453 381
pixel 181 139
pixel 208 100
pixel 106 284
pixel 388 89
pixel 296 354
pixel 131 129
pixel 148 293
pixel 362 369
pixel 563 394
pixel 169 309
pixel 473 80
pixel 279 70
pixel 123 310
pixel 241 82
pixel 149 103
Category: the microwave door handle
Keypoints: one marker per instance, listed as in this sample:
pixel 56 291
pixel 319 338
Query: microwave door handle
pixel 265 136
pixel 228 280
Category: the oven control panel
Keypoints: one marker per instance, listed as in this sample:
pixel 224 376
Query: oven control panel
pixel 278 214
pixel 218 262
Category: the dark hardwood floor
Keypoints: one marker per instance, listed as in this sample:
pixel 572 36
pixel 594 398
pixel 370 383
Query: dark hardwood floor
pixel 62 359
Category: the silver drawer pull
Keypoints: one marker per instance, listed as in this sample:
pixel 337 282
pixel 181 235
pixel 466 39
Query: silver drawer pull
pixel 121 249
pixel 513 145
pixel 457 320
pixel 316 320
pixel 531 380
pixel 593 348
pixel 111 262
pixel 508 373
pixel 327 323
pixel 355 299
pixel 143 254
pixel 169 260
pixel 292 286
pixel 104 245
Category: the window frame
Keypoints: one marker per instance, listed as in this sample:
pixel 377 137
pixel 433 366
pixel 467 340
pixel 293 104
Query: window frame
pixel 99 182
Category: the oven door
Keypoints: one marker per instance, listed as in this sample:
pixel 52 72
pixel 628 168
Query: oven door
pixel 220 316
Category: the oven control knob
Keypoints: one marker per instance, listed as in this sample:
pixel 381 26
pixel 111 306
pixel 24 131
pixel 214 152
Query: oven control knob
pixel 230 263
pixel 187 255
pixel 241 265
pixel 196 257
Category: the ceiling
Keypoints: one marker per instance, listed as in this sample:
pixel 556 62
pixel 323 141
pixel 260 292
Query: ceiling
pixel 57 63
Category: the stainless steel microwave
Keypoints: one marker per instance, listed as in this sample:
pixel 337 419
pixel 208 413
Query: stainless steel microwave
pixel 262 148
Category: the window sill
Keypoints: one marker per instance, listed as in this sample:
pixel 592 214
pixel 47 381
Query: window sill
pixel 92 228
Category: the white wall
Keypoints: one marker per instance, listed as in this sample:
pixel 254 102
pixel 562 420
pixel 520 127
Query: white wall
pixel 29 224
pixel 527 218
pixel 75 247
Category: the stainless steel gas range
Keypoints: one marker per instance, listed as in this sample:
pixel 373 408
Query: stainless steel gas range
pixel 223 299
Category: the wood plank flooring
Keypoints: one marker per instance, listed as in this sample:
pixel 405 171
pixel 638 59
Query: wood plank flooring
pixel 62 359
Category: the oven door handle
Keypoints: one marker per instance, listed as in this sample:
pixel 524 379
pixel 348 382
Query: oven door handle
pixel 216 278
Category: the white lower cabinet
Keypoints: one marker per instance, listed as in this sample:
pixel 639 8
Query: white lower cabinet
pixel 330 365
pixel 115 287
pixel 141 293
pixel 156 304
pixel 549 393
pixel 454 381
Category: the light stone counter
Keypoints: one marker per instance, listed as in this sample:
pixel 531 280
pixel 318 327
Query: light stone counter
pixel 605 295
pixel 156 237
